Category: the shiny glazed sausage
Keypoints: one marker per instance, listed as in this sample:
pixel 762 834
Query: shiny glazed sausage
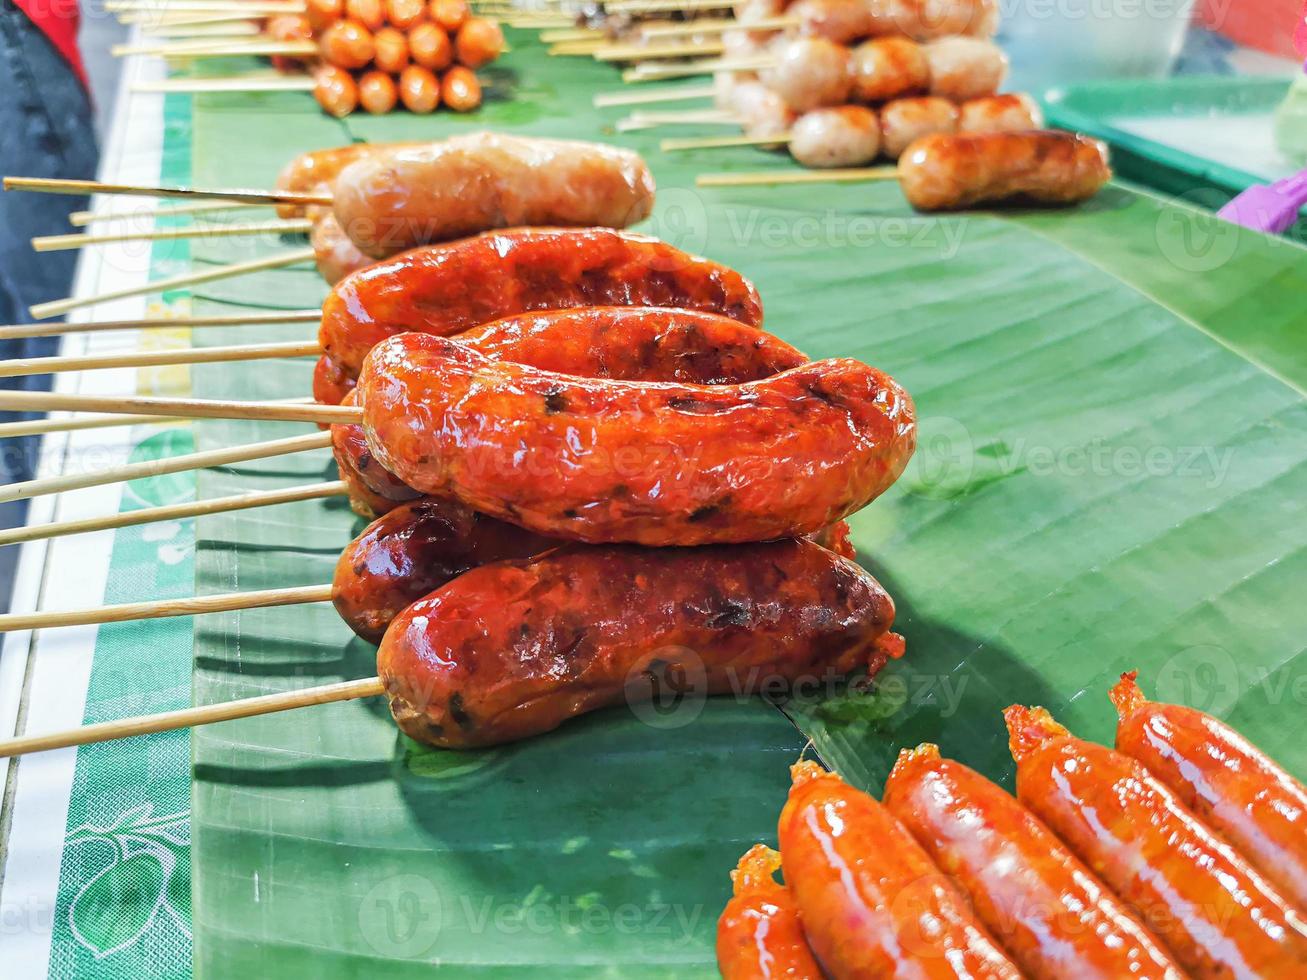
pixel 943 173
pixel 514 649
pixel 651 463
pixel 336 256
pixel 759 936
pixel 468 184
pixel 631 343
pixel 1225 779
pixel 446 289
pixel 1051 914
pixel 1218 916
pixel 872 902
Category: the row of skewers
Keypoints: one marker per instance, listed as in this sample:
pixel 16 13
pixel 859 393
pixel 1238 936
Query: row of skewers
pixel 1183 852
pixel 675 341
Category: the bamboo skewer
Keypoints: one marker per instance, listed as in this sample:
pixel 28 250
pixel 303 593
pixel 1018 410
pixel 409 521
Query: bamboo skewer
pixel 190 717
pixel 194 408
pixel 43 310
pixel 237 83
pixel 80 219
pixel 54 243
pixel 578 48
pixel 655 72
pixel 201 26
pixel 36 427
pixel 845 175
pixel 175 512
pixel 227 195
pixel 606 100
pixel 161 467
pixel 261 49
pixel 27 366
pixel 715 142
pixel 252 8
pixel 647 52
pixel 185 46
pixel 165 608
pixel 22 330
pixel 665 6
pixel 562 35
pixel 701 117
pixel 725 24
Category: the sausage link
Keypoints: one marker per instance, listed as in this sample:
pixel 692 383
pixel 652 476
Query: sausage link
pixel 336 256
pixel 468 184
pixel 1049 911
pixel 1219 917
pixel 319 168
pixel 447 289
pixel 949 172
pixel 656 464
pixel 873 903
pixel 1224 779
pixel 759 935
pixel 630 343
pixel 514 649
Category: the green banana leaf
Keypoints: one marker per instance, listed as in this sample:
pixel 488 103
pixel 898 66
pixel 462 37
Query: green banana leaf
pixel 1111 475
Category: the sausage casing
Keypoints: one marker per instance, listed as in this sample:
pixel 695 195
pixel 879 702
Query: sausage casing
pixel 1223 778
pixel 947 172
pixel 514 649
pixel 392 201
pixel 336 256
pixel 452 288
pixel 873 903
pixel 651 463
pixel 1052 915
pixel 759 935
pixel 1216 914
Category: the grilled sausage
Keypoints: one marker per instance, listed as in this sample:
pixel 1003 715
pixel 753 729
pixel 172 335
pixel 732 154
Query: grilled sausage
pixel 843 136
pixel 873 904
pixel 886 68
pixel 1224 779
pixel 377 92
pixel 946 173
pixel 347 44
pixel 478 42
pixel 924 20
pixel 514 649
pixel 1052 915
pixel 759 936
pixel 964 68
pixel 460 91
pixel 419 90
pixel 338 94
pixel 1014 112
pixel 451 288
pixel 654 464
pixel 905 120
pixel 1219 917
pixel 310 172
pixel 810 72
pixel 336 256
pixel 630 343
pixel 468 184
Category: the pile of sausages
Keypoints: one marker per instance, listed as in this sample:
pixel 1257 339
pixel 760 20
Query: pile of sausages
pixel 865 80
pixel 1183 852
pixel 381 53
pixel 598 478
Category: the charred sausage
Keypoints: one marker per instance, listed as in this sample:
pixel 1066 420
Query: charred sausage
pixel 1052 915
pixel 1219 917
pixel 759 935
pixel 447 289
pixel 655 464
pixel 873 904
pixel 514 649
pixel 945 173
pixel 467 184
pixel 1224 779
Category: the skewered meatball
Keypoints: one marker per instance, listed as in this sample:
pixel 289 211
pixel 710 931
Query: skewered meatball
pixel 810 72
pixel 905 120
pixel 964 68
pixel 887 68
pixel 845 136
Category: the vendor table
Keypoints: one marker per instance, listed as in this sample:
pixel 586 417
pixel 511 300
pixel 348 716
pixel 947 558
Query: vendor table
pixel 320 843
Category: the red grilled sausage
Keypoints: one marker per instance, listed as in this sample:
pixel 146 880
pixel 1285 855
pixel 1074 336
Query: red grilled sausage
pixel 514 649
pixel 651 463
pixel 873 904
pixel 1051 914
pixel 1219 917
pixel 447 289
pixel 468 184
pixel 1224 779
pixel 759 936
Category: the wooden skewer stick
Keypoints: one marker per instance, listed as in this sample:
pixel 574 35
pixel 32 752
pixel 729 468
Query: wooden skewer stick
pixel 161 467
pixel 164 608
pixel 725 24
pixel 55 243
pixel 701 117
pixel 152 21
pixel 186 46
pixel 227 195
pixel 605 100
pixel 190 408
pixel 225 25
pixel 665 6
pixel 565 34
pixel 846 175
pixel 577 48
pixel 647 52
pixel 43 310
pixel 248 83
pixel 247 7
pixel 36 427
pixel 654 72
pixel 190 717
pixel 27 366
pixel 260 49
pixel 175 512
pixel 80 219
pixel 23 330
pixel 715 142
